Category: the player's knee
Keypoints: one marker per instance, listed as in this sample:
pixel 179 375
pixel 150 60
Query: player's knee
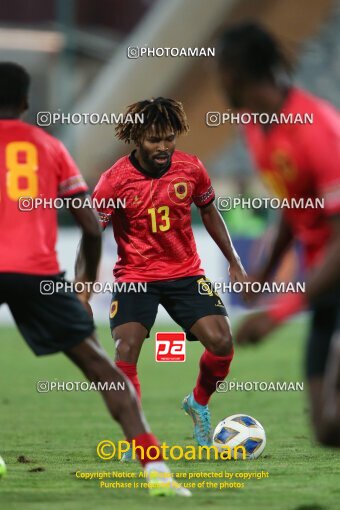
pixel 126 351
pixel 220 342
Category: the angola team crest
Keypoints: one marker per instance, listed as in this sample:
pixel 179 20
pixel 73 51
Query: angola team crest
pixel 179 190
pixel 113 309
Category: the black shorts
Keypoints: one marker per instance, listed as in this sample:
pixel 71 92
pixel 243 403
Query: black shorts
pixel 48 322
pixel 180 298
pixel 325 322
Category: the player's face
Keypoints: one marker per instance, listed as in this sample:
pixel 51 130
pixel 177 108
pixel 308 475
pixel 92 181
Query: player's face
pixel 233 88
pixel 156 150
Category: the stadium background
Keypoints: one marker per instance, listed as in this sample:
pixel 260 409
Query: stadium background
pixel 76 52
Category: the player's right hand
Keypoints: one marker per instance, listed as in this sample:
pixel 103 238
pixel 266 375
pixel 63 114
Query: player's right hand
pixel 84 296
pixel 87 307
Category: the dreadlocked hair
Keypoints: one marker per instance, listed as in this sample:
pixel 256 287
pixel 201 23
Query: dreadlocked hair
pixel 159 114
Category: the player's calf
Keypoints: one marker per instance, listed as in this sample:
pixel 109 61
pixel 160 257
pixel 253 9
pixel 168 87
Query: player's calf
pixel 214 333
pixel 327 432
pixel 122 404
pixel 124 408
pixel 129 338
pixel 330 415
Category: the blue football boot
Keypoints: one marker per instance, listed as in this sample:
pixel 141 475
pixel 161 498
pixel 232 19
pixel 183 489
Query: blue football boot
pixel 201 418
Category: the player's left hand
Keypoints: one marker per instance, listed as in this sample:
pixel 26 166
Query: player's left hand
pixel 254 328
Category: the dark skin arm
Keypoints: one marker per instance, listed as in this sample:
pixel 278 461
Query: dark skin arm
pixel 281 244
pixel 327 276
pixel 89 252
pixel 217 229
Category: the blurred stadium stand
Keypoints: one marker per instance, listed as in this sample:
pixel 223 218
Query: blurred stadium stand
pixel 76 52
pixel 317 69
pixel 64 44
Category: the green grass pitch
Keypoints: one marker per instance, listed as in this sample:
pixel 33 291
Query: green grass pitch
pixel 58 431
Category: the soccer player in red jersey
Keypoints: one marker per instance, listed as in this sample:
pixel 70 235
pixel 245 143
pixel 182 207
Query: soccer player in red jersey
pixel 297 161
pixel 156 245
pixel 34 164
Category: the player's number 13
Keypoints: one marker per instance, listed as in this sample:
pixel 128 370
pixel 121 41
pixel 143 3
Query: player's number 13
pixel 160 220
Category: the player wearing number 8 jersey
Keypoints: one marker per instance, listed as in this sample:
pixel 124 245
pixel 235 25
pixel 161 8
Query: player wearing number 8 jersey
pixel 33 164
pixel 156 245
pixel 25 150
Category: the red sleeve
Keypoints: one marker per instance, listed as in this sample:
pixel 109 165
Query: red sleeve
pixel 204 193
pixel 324 158
pixel 104 194
pixel 70 180
pixel 286 305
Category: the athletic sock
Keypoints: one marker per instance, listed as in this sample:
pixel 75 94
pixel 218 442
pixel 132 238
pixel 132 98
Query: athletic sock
pixel 130 370
pixel 151 453
pixel 212 369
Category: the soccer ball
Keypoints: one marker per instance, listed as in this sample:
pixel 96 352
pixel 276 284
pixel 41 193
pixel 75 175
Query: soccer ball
pixel 240 430
pixel 3 468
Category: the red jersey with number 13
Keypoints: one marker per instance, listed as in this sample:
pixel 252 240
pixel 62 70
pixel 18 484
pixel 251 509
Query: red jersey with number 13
pixel 153 231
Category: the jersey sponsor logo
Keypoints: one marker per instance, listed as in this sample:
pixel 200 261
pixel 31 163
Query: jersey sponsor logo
pixel 113 309
pixel 170 347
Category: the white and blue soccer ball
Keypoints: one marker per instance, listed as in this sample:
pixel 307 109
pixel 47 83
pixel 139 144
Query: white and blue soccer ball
pixel 240 430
